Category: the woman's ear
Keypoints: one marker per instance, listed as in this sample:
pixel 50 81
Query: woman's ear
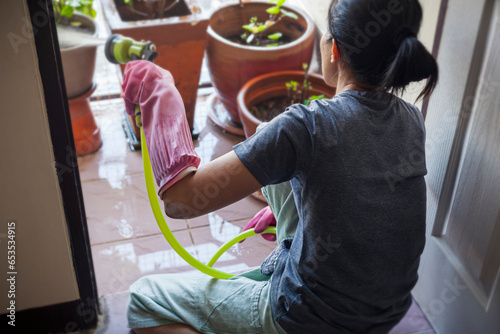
pixel 336 54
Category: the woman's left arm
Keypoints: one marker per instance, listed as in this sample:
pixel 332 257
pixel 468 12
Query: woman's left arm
pixel 215 185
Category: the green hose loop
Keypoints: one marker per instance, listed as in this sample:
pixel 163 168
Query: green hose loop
pixel 234 241
pixel 167 233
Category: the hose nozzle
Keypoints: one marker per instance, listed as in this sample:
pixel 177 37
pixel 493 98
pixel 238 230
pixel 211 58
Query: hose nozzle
pixel 120 49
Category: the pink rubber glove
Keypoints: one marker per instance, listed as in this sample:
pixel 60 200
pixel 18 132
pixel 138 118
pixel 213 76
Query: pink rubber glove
pixel 262 220
pixel 164 121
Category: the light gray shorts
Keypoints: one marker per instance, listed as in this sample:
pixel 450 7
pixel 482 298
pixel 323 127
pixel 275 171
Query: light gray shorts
pixel 237 305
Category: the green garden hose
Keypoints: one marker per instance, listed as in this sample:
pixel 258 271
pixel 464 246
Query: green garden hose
pixel 167 233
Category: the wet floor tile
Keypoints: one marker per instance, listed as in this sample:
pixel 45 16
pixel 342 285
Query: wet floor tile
pixel 114 160
pixel 119 264
pixel 212 142
pixel 121 212
pixel 240 257
pixel 115 314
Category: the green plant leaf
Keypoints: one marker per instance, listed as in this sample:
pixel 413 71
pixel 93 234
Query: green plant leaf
pixel 261 28
pixel 312 98
pixel 274 10
pixel 290 14
pixel 67 11
pixel 280 3
pixel 275 36
pixel 272 45
pixel 249 27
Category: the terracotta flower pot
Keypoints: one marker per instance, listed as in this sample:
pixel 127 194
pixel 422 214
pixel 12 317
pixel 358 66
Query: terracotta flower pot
pixel 272 85
pixel 232 65
pixel 79 62
pixel 179 38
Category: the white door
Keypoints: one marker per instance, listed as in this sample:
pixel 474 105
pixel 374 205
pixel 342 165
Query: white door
pixel 459 286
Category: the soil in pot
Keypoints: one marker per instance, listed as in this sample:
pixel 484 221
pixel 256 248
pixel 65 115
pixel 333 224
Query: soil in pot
pixel 151 9
pixel 264 42
pixel 269 109
pixel 266 110
pixel 271 94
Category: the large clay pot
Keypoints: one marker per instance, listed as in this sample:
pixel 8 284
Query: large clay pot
pixel 179 38
pixel 79 62
pixel 232 65
pixel 272 85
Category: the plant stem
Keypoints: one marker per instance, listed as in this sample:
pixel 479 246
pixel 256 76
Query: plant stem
pixel 272 20
pixel 305 88
pixel 243 17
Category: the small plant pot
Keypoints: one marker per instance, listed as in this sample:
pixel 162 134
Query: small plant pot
pixel 270 86
pixel 232 65
pixel 85 131
pixel 179 38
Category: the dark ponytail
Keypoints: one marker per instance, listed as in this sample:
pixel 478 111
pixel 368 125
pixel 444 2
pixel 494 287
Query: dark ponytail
pixel 412 63
pixel 378 40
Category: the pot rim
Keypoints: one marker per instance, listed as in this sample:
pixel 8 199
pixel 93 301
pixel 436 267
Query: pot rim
pixel 94 34
pixel 240 100
pixel 309 30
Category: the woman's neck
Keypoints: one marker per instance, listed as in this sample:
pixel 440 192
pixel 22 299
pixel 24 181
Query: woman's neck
pixel 348 81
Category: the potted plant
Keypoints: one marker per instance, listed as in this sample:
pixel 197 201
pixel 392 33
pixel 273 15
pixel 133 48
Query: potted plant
pixel 176 27
pixel 233 61
pixel 268 95
pixel 78 62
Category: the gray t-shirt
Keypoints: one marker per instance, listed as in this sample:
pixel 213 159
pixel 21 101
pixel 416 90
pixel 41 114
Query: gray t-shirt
pixel 357 166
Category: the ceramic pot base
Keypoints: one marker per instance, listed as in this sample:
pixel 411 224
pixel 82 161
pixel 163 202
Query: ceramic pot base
pixel 220 117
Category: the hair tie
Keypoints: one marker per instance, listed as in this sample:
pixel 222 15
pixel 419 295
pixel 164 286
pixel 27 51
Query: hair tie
pixel 403 33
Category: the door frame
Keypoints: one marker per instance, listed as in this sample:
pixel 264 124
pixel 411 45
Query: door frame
pixel 443 9
pixel 83 313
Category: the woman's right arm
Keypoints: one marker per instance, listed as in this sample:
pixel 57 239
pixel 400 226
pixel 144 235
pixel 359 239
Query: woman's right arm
pixel 217 184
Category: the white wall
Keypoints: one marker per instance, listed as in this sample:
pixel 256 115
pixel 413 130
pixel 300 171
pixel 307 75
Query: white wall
pixel 30 193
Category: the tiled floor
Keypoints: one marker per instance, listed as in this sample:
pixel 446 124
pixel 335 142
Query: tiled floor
pixel 126 241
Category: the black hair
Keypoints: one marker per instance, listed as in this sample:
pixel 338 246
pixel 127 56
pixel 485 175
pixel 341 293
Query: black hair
pixel 378 39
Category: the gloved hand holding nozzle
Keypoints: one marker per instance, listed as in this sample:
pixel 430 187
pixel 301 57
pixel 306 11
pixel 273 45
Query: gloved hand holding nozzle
pixel 164 121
